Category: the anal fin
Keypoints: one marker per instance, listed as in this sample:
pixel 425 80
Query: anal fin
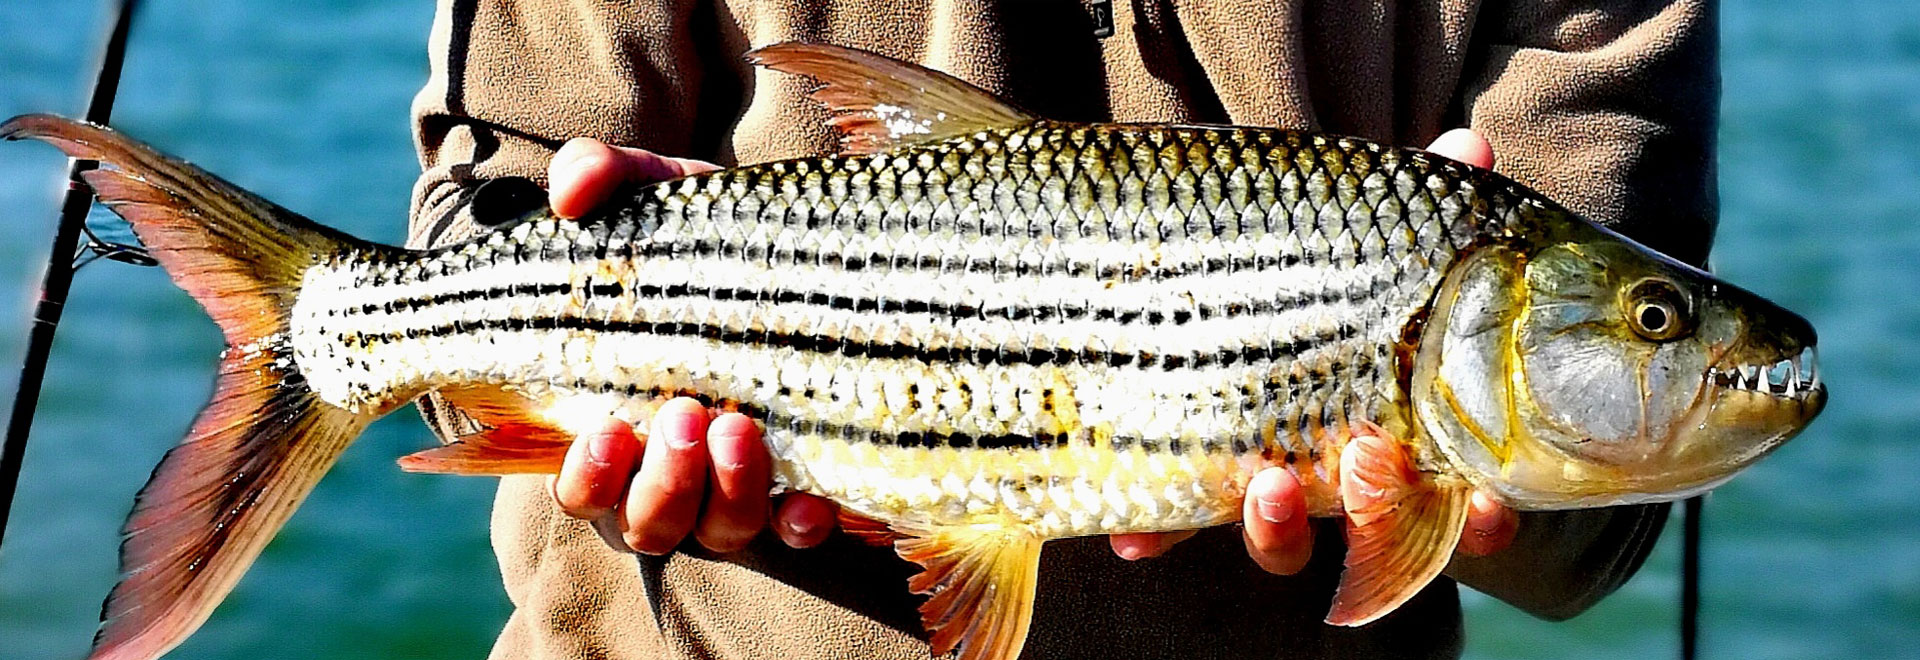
pixel 1401 528
pixel 867 530
pixel 981 581
pixel 500 451
pixel 517 442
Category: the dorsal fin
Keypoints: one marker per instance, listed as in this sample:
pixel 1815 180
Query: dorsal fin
pixel 879 103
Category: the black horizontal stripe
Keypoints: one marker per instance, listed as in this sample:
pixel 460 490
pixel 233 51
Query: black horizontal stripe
pixel 465 295
pixel 815 343
pixel 862 304
pixel 845 432
pixel 853 434
pixel 1005 262
pixel 565 246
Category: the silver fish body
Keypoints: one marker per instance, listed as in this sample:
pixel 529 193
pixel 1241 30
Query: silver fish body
pixel 1090 328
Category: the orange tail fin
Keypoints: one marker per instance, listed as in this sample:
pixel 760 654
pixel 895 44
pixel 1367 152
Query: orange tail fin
pixel 265 439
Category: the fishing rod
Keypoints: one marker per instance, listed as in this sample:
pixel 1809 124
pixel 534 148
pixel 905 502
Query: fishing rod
pixel 62 261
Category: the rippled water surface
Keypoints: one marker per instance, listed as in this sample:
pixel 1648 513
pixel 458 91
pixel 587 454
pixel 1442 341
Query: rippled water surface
pixel 1814 553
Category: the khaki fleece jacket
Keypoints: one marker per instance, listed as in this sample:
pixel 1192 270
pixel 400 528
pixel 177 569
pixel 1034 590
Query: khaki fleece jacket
pixel 1607 107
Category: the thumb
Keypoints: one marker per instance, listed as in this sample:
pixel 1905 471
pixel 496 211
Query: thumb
pixel 1464 145
pixel 585 171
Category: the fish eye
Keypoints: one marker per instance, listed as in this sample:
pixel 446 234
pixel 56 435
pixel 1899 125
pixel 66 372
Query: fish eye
pixel 1657 310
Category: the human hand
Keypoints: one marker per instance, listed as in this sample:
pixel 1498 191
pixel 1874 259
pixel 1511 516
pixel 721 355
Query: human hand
pixel 1276 532
pixel 697 473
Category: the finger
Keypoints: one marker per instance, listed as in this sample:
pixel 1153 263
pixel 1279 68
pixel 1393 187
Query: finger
pixel 611 528
pixel 737 493
pixel 1134 547
pixel 665 497
pixel 585 171
pixel 803 520
pixel 649 166
pixel 1464 145
pixel 596 471
pixel 1490 526
pixel 581 175
pixel 1277 535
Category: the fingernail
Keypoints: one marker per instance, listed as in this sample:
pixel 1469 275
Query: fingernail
pixel 603 445
pixel 569 154
pixel 729 456
pixel 1482 503
pixel 800 528
pixel 677 436
pixel 681 439
pixel 1273 512
pixel 681 423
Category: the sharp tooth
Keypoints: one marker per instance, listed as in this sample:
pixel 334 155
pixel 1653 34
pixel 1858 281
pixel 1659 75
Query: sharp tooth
pixel 1750 377
pixel 1792 374
pixel 1813 368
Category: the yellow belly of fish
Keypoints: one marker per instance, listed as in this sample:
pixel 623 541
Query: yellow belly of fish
pixel 1055 492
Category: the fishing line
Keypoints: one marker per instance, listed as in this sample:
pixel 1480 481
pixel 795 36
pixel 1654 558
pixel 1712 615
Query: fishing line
pixel 98 248
pixel 61 263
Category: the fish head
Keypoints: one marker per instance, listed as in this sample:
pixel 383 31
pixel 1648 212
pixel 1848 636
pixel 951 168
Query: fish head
pixel 1582 369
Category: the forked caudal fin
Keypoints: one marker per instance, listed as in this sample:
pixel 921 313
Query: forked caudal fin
pixel 264 440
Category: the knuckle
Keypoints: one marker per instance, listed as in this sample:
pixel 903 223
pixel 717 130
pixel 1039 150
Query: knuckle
pixel 653 539
pixel 644 542
pixel 572 499
pixel 680 486
pixel 724 538
pixel 576 508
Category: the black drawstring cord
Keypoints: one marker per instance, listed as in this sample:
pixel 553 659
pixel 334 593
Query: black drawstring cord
pixel 60 266
pixel 1690 579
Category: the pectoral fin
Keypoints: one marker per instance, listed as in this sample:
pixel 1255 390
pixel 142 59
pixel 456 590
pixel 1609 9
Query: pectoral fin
pixel 1401 529
pixel 981 580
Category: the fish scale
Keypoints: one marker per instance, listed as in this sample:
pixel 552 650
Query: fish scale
pixel 1184 306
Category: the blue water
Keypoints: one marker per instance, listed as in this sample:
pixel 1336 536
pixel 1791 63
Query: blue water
pixel 1814 553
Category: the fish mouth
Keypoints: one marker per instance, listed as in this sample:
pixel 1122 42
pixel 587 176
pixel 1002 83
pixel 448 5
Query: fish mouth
pixel 1758 406
pixel 1795 378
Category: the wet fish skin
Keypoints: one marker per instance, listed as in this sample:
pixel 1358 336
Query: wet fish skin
pixel 1054 338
